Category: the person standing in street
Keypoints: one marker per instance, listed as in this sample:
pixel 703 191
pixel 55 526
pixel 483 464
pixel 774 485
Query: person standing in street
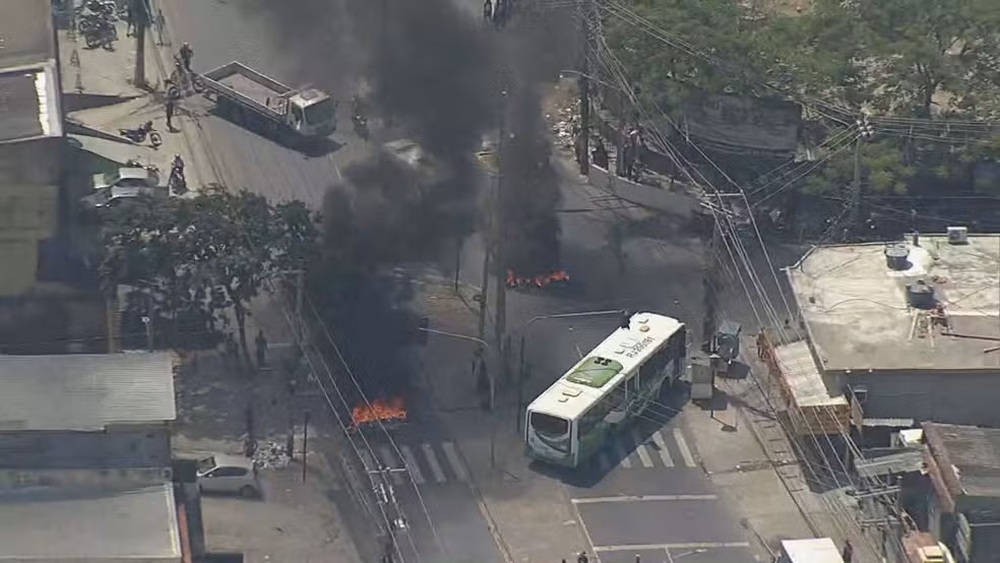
pixel 848 554
pixel 186 54
pixel 170 107
pixel 487 11
pixel 261 344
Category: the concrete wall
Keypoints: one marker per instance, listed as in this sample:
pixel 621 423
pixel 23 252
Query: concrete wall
pixel 118 447
pixel 968 397
pixel 30 173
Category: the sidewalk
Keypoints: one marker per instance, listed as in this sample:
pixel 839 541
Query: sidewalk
pixel 826 514
pixel 101 98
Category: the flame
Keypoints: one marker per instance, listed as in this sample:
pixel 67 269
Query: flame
pixel 539 281
pixel 385 410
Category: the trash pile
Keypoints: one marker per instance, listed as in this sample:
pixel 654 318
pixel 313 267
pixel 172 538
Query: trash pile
pixel 271 456
pixel 564 123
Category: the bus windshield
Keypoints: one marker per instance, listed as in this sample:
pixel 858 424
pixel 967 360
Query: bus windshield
pixel 547 424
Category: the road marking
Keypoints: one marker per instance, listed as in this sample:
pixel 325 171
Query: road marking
pixel 655 546
pixel 455 460
pixel 682 445
pixel 661 444
pixel 643 498
pixel 411 465
pixel 432 460
pixel 622 455
pixel 640 449
pixel 586 532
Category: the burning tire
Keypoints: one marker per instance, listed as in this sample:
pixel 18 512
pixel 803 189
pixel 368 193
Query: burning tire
pixel 555 278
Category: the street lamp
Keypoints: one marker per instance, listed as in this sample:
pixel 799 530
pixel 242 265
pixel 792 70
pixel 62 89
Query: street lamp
pixel 483 344
pixel 522 368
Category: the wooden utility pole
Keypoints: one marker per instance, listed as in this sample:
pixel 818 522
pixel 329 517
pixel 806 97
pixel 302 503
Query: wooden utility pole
pixel 140 16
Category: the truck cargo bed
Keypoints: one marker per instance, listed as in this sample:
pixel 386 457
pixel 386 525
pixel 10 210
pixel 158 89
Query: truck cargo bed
pixel 243 85
pixel 256 91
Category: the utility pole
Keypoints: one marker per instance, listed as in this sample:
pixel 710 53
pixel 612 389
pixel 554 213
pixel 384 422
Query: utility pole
pixel 710 279
pixel 501 250
pixel 141 16
pixel 583 143
pixel 866 131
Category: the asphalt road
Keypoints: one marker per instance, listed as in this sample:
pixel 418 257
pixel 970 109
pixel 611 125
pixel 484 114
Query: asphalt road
pixel 680 518
pixel 443 521
pixel 221 32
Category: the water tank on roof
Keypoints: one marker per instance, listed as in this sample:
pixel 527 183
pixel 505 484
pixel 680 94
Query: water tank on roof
pixel 897 256
pixel 920 295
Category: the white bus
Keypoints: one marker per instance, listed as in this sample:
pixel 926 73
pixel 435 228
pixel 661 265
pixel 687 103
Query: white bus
pixel 571 420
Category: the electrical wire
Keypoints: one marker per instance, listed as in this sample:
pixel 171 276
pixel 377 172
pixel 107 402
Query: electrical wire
pixel 730 243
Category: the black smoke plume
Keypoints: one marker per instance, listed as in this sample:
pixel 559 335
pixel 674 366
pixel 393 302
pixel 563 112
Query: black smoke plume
pixel 530 189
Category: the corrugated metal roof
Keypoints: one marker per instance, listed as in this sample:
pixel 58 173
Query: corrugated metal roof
pixel 76 524
pixel 85 391
pixel 902 461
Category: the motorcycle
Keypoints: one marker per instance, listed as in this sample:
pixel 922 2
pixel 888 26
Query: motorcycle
pixel 360 126
pixel 103 33
pixel 177 183
pixel 139 134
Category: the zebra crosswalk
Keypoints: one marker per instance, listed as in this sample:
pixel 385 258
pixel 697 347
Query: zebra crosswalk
pixel 663 448
pixel 441 463
pixel 425 463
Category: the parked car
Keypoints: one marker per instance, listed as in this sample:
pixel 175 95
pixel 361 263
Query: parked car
pixel 109 196
pixel 127 177
pixel 228 474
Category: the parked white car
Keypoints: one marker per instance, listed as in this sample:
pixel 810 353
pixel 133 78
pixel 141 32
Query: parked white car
pixel 127 177
pixel 228 474
pixel 111 196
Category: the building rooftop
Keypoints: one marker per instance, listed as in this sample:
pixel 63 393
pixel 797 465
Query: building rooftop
pixel 27 33
pixel 856 309
pixel 68 524
pixel 29 103
pixel 85 392
pixel 968 457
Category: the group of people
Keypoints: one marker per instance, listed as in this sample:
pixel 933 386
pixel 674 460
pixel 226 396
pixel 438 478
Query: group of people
pixel 628 163
pixel 497 13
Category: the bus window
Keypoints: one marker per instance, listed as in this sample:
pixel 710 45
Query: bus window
pixel 548 424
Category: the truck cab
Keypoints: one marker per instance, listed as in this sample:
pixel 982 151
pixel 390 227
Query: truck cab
pixel 312 113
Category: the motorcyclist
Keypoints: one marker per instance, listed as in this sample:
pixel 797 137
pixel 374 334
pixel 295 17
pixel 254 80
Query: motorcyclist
pixel 358 108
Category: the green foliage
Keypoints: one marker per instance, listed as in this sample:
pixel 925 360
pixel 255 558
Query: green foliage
pixel 213 252
pixel 668 74
pixel 917 50
pixel 884 169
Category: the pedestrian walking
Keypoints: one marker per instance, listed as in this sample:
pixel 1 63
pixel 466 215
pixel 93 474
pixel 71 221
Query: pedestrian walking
pixel 487 11
pixel 232 351
pixel 170 107
pixel 582 558
pixel 129 20
pixel 261 344
pixel 186 54
pixel 848 554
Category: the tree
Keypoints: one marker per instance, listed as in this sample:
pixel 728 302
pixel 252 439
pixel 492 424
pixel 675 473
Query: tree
pixel 916 53
pixel 884 170
pixel 667 74
pixel 213 252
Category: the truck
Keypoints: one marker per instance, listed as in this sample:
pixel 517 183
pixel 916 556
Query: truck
pixel 243 93
pixel 814 550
